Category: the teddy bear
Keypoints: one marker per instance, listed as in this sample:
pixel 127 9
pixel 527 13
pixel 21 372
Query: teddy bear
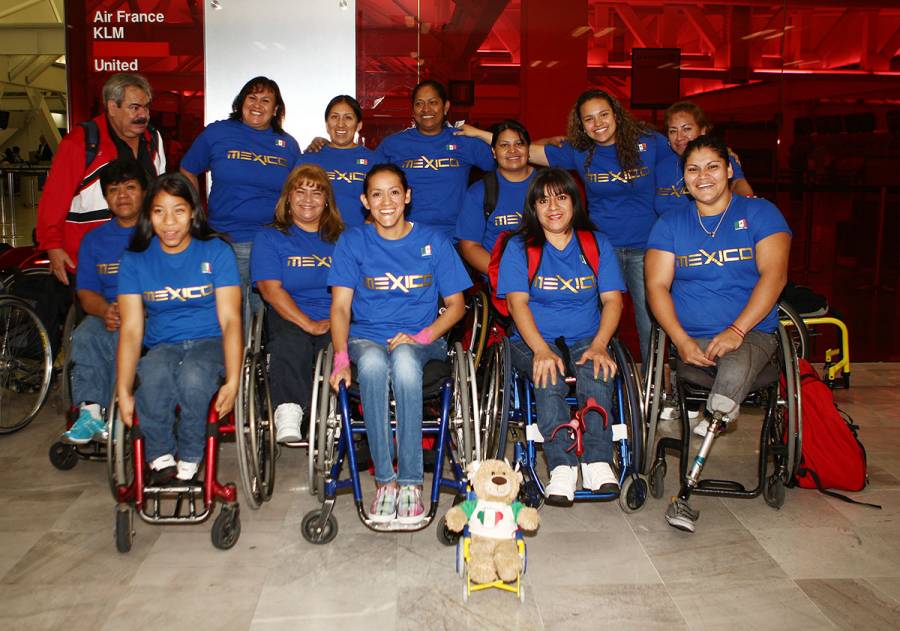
pixel 493 518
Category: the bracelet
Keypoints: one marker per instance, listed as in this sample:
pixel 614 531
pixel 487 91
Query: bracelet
pixel 737 330
pixel 341 361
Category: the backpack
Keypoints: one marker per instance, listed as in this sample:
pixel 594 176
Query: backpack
pixel 586 243
pixel 832 456
pixel 92 141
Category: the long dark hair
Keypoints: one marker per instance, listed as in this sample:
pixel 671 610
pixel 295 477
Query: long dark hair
pixel 628 131
pixel 259 84
pixel 176 185
pixel 553 181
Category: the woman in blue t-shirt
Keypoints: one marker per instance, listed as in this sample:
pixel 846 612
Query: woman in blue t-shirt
pixel 179 297
pixel 714 274
pixel 478 233
pixel 684 121
pixel 564 285
pixel 391 275
pixel 289 266
pixel 345 161
pixel 249 156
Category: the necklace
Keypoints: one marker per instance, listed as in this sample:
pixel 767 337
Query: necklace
pixel 718 225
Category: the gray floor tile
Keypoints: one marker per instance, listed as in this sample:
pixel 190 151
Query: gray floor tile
pixel 852 603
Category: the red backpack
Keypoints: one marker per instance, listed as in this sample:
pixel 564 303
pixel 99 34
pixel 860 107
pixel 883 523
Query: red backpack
pixel 586 242
pixel 832 456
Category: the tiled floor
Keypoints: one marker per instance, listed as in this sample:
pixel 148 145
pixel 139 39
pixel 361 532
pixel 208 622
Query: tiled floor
pixel 817 563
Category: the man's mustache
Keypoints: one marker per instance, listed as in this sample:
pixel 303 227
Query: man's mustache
pixel 140 121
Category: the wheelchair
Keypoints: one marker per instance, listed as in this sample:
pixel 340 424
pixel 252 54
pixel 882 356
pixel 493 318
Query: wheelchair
pixel 26 364
pixel 776 390
pixel 517 587
pixel 254 421
pixel 510 411
pixel 450 415
pixel 174 503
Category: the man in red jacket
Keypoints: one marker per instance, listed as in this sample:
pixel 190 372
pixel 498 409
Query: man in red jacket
pixel 72 203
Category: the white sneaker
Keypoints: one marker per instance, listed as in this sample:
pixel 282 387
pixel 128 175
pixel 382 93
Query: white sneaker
pixel 701 428
pixel 561 489
pixel 671 413
pixel 287 422
pixel 163 462
pixel 599 478
pixel 187 470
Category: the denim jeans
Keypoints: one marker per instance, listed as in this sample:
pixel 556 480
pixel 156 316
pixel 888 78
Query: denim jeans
pixel 186 374
pixel 736 371
pixel 631 262
pixel 377 369
pixel 242 254
pixel 553 411
pixel 93 362
pixel 292 354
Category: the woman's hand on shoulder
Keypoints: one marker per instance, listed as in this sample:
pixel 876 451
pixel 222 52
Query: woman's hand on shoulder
pixel 546 367
pixel 691 353
pixel 603 363
pixel 722 344
pixel 225 399
pixel 126 409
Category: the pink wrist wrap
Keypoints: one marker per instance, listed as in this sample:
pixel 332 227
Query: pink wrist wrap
pixel 423 337
pixel 341 361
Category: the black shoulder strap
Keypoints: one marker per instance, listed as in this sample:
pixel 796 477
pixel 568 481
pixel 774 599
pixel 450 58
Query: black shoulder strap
pixel 491 191
pixel 824 491
pixel 91 142
pixel 154 141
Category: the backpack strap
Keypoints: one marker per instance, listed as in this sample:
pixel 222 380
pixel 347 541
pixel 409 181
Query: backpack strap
pixel 491 193
pixel 91 142
pixel 802 472
pixel 588 245
pixel 533 253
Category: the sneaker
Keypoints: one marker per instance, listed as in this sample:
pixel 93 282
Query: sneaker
pixel 599 478
pixel 187 471
pixel 670 412
pixel 680 515
pixel 410 509
pixel 84 429
pixel 287 423
pixel 561 489
pixel 703 426
pixel 384 508
pixel 162 470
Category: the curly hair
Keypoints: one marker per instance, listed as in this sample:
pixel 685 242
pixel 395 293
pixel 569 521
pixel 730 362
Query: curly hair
pixel 330 223
pixel 628 131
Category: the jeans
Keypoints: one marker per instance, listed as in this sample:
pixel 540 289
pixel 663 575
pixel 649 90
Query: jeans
pixel 242 254
pixel 631 262
pixel 186 374
pixel 553 411
pixel 93 362
pixel 377 369
pixel 736 371
pixel 292 354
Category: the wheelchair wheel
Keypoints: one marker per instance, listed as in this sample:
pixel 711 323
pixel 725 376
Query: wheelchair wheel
pixel 654 389
pixel 124 528
pixel 658 479
pixel 26 364
pixel 629 397
pixel 773 491
pixel 633 494
pixel 65 354
pixel 325 426
pixel 797 331
pixel 63 455
pixel 255 436
pixel 480 326
pixel 226 530
pixel 495 398
pixel 444 534
pixel 790 414
pixel 462 421
pixel 119 461
pixel 316 534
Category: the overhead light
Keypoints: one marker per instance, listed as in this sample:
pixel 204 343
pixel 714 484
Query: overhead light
pixel 775 36
pixel 550 64
pixel 61 60
pixel 604 31
pixel 535 63
pixel 578 31
pixel 758 34
pixel 215 4
pixel 342 4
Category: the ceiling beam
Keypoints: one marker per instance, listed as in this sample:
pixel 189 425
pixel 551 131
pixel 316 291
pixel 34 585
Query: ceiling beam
pixel 32 39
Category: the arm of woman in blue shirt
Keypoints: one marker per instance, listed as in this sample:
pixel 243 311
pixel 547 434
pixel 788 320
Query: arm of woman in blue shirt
pixel 546 364
pixel 131 334
pixel 228 310
pixel 341 300
pixel 609 321
pixel 274 294
pixel 454 310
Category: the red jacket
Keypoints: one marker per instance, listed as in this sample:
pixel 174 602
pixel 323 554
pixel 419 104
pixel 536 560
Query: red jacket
pixel 72 203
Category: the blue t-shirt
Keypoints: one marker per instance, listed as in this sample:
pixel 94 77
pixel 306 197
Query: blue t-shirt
pixel 507 215
pixel 98 259
pixel 396 284
pixel 564 295
pixel 249 167
pixel 347 170
pixel 179 290
pixel 671 193
pixel 437 169
pixel 300 260
pixel 620 204
pixel 714 276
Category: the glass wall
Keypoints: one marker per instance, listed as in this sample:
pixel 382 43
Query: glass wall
pixel 806 93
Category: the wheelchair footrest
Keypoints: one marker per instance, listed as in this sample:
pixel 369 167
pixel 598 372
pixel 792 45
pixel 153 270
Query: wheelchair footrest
pixel 721 485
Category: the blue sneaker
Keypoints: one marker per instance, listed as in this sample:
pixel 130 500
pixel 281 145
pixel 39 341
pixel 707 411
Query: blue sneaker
pixel 84 429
